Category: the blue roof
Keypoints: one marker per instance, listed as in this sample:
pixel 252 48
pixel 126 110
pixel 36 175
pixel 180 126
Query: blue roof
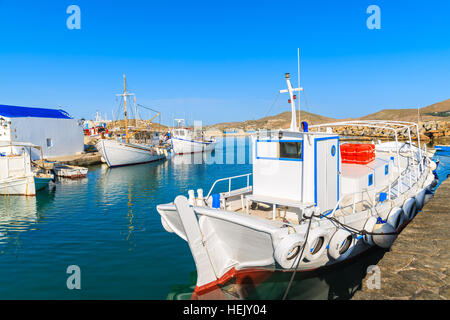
pixel 21 112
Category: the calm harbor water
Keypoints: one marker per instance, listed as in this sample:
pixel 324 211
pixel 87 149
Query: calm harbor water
pixel 107 225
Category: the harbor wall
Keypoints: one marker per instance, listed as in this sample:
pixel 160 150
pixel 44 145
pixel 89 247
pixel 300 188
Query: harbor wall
pixel 416 266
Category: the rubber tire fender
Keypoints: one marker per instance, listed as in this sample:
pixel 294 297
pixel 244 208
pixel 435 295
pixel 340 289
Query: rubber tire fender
pixel 314 235
pixel 409 207
pixel 336 242
pixel 420 197
pixel 286 245
pixel 369 227
pixel 396 217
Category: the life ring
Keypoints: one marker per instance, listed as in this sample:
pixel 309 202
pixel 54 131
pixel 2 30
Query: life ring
pixel 341 244
pixel 420 198
pixel 368 227
pixel 396 217
pixel 288 249
pixel 382 239
pixel 317 243
pixel 409 208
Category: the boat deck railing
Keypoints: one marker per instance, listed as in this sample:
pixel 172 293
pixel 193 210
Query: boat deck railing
pixel 229 179
pixel 406 175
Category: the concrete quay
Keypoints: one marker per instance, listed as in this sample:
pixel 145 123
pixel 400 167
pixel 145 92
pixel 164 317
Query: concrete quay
pixel 416 267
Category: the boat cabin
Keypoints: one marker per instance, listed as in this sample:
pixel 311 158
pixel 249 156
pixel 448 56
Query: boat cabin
pixel 299 167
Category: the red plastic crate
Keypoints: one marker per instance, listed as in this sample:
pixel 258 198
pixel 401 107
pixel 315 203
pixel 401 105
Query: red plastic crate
pixel 357 153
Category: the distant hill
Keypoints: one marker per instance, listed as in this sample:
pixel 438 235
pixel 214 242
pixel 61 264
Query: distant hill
pixel 282 120
pixel 439 112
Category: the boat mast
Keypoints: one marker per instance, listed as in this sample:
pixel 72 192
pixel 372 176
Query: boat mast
pixel 125 95
pixel 125 102
pixel 291 91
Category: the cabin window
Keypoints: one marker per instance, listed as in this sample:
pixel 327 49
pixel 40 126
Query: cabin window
pixel 370 179
pixel 291 150
pixel 49 143
pixel 386 169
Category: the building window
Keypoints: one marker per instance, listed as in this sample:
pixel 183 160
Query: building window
pixel 49 143
pixel 291 150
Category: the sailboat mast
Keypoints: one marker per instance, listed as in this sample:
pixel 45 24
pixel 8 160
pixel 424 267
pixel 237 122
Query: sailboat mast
pixel 125 103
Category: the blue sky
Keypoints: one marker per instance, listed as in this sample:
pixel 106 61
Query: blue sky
pixel 224 60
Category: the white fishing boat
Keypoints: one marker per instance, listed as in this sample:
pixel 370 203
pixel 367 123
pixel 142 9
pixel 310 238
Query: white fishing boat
pixel 185 140
pixel 70 172
pixel 122 153
pixel 18 176
pixel 313 202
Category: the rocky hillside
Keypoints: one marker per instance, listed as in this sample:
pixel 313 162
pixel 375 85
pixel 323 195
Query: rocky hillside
pixel 282 120
pixel 435 112
pixel 434 121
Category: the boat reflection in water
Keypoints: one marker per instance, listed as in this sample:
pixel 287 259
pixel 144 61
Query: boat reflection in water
pixel 20 214
pixel 335 283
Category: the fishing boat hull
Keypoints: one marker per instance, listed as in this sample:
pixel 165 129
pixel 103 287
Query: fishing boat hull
pixel 227 240
pixel 70 172
pixel 118 154
pixel 18 186
pixel 41 182
pixel 185 146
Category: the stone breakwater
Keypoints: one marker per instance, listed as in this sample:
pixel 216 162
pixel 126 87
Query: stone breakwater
pixel 416 267
pixel 429 131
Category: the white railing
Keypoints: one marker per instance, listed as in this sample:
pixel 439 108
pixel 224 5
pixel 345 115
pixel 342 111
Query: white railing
pixel 399 180
pixel 229 183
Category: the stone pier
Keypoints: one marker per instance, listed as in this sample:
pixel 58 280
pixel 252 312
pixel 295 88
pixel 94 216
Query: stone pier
pixel 416 267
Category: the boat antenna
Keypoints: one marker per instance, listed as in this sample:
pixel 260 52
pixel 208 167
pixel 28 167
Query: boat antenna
pixel 298 76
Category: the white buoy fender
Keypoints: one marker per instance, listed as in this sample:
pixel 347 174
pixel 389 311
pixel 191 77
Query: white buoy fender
pixel 166 225
pixel 369 227
pixel 396 217
pixel 317 243
pixel 420 197
pixel 341 244
pixel 409 208
pixel 288 249
pixel 383 240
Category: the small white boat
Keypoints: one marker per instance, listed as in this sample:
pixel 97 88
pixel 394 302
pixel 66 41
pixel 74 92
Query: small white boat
pixel 17 176
pixel 186 141
pixel 68 171
pixel 313 202
pixel 118 153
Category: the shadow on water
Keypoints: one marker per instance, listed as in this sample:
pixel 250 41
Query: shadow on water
pixel 333 283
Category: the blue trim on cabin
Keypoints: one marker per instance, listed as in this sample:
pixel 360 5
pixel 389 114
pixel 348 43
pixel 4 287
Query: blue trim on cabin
pixel 315 165
pixel 283 159
pixel 24 112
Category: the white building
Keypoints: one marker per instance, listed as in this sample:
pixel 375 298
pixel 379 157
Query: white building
pixel 55 131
